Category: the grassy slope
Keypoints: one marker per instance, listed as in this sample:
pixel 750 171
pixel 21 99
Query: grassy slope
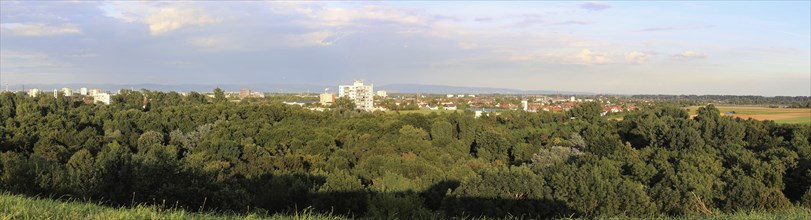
pixel 21 207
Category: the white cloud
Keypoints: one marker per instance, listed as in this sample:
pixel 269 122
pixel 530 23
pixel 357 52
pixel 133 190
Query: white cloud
pixel 318 38
pixel 637 57
pixel 595 6
pixel 588 57
pixel 689 54
pixel 323 16
pixel 466 45
pixel 40 29
pixel 16 60
pixel 161 17
pixel 209 41
pixel 169 19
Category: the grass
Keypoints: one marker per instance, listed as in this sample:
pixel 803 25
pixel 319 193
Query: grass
pixel 797 120
pixel 21 207
pixel 752 110
pixel 779 115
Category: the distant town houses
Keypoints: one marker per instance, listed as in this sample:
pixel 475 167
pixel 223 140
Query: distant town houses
pixel 366 99
pixel 247 93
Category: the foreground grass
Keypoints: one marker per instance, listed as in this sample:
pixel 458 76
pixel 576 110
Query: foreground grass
pixel 21 207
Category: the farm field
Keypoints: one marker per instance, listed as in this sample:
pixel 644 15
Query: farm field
pixel 779 115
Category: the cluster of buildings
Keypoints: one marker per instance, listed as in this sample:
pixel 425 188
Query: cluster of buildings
pixel 247 93
pixel 359 93
pixel 96 94
pixel 363 96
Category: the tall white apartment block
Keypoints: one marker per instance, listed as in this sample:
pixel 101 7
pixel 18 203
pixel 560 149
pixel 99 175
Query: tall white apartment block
pixel 67 91
pixel 360 93
pixel 83 91
pixel 94 92
pixel 102 97
pixel 34 92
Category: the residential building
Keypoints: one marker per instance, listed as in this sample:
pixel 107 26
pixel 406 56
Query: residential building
pixel 361 94
pixel 382 93
pixel 244 93
pixel 326 99
pixel 34 92
pixel 102 97
pixel 83 91
pixel 94 92
pixel 67 92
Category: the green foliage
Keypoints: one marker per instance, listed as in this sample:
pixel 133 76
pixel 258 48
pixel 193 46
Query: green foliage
pixel 441 133
pixel 219 96
pixel 398 206
pixel 807 199
pixel 589 111
pixel 201 155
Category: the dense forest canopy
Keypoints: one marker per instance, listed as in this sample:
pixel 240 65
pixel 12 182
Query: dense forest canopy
pixel 204 153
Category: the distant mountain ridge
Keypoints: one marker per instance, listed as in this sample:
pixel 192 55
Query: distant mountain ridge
pixel 442 89
pixel 292 88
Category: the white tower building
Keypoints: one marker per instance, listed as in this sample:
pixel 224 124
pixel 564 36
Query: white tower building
pixel 361 94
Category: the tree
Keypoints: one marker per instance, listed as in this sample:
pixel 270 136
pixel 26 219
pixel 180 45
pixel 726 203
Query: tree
pixel 219 96
pixel 441 133
pixel 343 104
pixel 82 173
pixel 589 111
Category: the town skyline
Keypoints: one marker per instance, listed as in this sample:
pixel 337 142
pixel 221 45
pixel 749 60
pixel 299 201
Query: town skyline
pixel 725 48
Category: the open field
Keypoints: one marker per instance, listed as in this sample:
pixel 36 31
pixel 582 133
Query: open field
pixel 21 207
pixel 779 115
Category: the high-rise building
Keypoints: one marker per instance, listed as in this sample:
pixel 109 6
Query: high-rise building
pixel 94 92
pixel 67 92
pixel 327 99
pixel 361 94
pixel 244 93
pixel 382 93
pixel 83 91
pixel 34 92
pixel 102 97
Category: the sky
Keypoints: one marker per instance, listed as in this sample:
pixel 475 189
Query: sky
pixel 732 48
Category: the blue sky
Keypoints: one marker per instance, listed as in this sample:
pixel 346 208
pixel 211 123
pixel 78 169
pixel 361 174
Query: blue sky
pixel 743 48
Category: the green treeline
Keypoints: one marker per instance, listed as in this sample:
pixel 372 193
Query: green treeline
pixel 689 100
pixel 202 153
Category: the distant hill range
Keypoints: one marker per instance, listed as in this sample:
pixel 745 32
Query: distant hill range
pixel 441 89
pixel 293 88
